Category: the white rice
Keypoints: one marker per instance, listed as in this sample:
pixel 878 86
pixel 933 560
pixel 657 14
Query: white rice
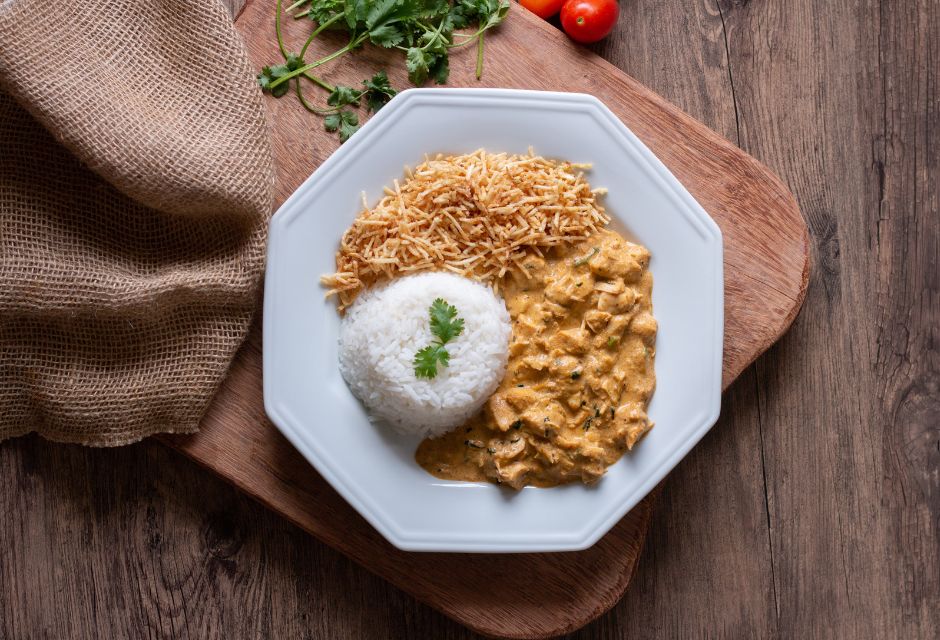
pixel 388 324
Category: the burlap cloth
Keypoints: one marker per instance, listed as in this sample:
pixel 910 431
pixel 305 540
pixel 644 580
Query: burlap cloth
pixel 135 187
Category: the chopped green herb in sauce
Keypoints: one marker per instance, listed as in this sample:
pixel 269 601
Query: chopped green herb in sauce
pixel 585 259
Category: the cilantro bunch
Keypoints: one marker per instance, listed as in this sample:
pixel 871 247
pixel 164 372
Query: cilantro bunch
pixel 445 325
pixel 424 30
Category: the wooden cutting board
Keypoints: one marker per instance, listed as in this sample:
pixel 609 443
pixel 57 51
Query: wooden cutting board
pixel 766 270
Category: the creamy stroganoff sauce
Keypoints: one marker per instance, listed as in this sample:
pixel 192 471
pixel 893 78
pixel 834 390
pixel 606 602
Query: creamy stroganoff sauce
pixel 580 372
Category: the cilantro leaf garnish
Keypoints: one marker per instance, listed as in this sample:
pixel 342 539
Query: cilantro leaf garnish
pixel 440 69
pixel 378 91
pixel 386 35
pixel 444 321
pixel 320 11
pixel 425 361
pixel 445 325
pixel 417 60
pixel 346 122
pixel 342 96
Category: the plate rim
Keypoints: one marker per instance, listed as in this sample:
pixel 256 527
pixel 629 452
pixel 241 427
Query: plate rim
pixel 375 514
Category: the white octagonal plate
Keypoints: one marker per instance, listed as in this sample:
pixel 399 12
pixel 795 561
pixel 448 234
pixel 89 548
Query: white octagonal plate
pixel 374 469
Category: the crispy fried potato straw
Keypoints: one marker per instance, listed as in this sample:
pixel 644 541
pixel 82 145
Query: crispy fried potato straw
pixel 477 215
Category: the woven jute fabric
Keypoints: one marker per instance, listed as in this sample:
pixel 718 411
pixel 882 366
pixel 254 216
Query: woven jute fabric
pixel 135 186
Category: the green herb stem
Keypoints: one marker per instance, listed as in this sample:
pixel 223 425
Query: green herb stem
pixel 313 65
pixel 309 107
pixel 480 55
pixel 437 34
pixel 470 37
pixel 585 259
pixel 320 83
pixel 318 31
pixel 277 30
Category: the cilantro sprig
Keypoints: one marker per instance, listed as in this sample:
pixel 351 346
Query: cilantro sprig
pixel 345 121
pixel 376 91
pixel 425 30
pixel 445 325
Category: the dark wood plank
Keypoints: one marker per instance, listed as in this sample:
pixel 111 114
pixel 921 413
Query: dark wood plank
pixel 138 542
pixel 843 96
pixel 840 99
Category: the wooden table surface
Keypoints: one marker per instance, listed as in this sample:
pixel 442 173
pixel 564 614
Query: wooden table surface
pixel 812 509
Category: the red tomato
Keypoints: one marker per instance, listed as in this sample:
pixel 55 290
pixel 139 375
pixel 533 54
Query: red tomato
pixel 589 20
pixel 543 8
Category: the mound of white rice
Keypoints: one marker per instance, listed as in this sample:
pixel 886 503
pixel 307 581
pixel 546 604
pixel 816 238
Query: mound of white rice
pixel 388 324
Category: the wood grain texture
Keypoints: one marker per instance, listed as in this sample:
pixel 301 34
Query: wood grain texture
pixel 810 510
pixel 766 266
pixel 492 593
pixel 854 517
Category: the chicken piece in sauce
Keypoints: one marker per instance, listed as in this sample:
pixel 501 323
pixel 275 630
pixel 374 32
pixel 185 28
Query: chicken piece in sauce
pixel 580 372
